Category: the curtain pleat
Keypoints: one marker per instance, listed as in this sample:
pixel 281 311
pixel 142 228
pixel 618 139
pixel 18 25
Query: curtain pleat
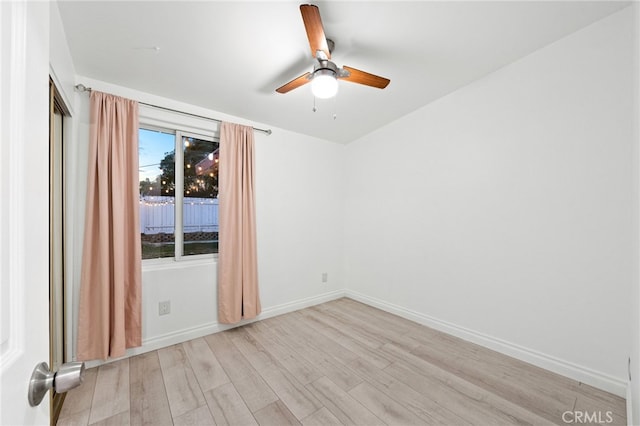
pixel 109 318
pixel 238 295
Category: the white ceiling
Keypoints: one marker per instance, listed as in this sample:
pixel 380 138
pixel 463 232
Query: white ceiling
pixel 231 56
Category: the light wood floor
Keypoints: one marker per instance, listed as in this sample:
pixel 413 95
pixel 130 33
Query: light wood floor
pixel 341 362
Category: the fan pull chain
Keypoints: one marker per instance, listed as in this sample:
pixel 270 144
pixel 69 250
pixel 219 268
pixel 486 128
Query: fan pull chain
pixel 315 108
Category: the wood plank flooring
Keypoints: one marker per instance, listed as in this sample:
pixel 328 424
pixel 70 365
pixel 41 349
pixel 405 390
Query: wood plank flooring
pixel 339 363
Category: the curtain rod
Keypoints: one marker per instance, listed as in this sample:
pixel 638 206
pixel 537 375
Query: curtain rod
pixel 83 88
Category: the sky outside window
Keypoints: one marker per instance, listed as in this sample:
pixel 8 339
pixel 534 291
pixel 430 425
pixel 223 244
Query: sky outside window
pixel 153 146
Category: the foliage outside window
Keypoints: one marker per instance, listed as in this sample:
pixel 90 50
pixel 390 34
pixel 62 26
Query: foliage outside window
pixel 178 204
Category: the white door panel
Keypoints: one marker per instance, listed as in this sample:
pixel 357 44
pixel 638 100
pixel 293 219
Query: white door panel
pixel 24 206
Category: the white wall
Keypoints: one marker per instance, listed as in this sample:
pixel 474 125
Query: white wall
pixel 502 212
pixel 61 68
pixel 299 205
pixel 633 397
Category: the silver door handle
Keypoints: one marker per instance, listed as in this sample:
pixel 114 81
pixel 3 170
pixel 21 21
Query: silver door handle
pixel 68 376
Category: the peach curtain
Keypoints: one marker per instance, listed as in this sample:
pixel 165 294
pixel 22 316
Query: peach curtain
pixel 238 296
pixel 109 318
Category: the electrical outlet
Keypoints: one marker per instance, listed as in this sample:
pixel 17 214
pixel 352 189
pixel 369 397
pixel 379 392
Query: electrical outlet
pixel 164 308
pixel 325 277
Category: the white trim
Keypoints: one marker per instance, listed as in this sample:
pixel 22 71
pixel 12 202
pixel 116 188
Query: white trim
pixel 164 263
pixel 178 191
pixel 629 404
pixel 568 369
pixel 61 90
pixel 184 335
pixel 548 362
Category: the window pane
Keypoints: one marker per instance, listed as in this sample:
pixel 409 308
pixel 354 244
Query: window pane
pixel 200 205
pixel 157 193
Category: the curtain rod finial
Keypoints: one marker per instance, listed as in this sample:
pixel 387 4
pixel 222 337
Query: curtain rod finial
pixel 82 88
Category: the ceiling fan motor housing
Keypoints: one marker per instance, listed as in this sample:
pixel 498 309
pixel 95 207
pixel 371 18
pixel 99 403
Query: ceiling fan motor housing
pixel 326 67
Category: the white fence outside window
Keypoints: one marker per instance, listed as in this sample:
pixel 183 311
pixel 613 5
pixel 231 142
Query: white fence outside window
pixel 157 214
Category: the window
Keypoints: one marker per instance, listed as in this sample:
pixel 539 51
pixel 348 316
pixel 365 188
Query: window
pixel 178 193
pixel 200 206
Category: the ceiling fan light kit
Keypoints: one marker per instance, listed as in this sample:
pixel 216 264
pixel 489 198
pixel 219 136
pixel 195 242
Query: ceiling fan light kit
pixel 324 80
pixel 325 75
pixel 324 84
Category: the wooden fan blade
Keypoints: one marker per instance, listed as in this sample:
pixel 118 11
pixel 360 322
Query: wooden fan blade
pixel 294 84
pixel 315 30
pixel 361 77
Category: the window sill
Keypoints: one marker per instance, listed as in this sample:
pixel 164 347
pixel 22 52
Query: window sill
pixel 171 263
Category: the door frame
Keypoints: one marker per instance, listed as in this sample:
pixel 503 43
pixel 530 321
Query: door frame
pixel 57 288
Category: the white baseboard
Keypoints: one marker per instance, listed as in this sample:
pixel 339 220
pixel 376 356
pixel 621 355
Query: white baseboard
pixel 548 362
pixel 179 336
pixel 565 368
pixel 629 404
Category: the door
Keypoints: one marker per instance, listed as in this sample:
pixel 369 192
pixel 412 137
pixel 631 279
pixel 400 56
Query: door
pixel 24 206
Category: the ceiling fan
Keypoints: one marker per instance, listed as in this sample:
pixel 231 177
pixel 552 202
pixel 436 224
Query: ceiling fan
pixel 325 75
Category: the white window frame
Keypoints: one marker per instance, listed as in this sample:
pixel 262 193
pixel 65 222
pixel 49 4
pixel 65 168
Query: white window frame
pixel 180 126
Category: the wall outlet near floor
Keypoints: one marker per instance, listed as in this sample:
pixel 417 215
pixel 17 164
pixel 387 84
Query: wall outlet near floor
pixel 325 277
pixel 164 308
